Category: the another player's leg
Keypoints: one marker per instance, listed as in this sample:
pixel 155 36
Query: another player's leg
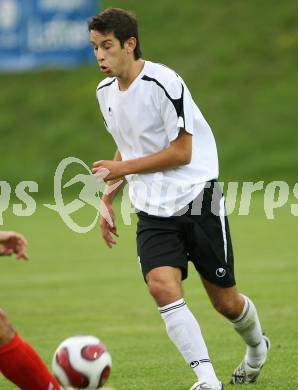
pixel 164 284
pixel 243 315
pixel 19 362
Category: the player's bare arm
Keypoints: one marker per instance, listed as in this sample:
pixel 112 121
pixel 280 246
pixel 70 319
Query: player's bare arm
pixel 109 195
pixel 110 231
pixel 13 243
pixel 178 153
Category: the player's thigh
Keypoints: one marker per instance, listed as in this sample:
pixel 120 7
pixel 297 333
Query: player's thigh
pixel 160 244
pixel 209 240
pixel 167 275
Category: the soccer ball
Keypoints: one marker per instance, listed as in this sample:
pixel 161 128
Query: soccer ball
pixel 82 362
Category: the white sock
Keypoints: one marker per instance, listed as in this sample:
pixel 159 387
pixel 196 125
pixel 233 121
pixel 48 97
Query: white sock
pixel 184 330
pixel 249 327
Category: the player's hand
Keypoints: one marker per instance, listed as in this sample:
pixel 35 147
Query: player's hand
pixel 109 169
pixel 13 243
pixel 108 231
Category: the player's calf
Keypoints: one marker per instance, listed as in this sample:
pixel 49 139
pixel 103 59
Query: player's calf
pixel 7 331
pixel 225 300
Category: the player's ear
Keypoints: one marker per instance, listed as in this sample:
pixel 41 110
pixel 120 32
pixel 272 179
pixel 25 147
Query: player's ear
pixel 130 45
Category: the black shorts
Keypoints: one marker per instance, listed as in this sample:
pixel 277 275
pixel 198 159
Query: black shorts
pixel 200 234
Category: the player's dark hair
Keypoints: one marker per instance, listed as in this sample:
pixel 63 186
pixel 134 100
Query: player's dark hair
pixel 122 23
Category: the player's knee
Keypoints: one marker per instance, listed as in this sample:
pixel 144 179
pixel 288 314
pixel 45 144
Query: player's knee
pixel 164 292
pixel 156 288
pixel 6 329
pixel 164 284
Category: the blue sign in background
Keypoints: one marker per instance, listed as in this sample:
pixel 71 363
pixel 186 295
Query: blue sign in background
pixel 47 33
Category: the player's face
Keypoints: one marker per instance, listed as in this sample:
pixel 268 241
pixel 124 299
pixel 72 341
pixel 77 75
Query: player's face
pixel 111 57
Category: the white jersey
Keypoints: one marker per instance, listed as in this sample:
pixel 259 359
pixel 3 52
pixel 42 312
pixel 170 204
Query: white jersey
pixel 143 120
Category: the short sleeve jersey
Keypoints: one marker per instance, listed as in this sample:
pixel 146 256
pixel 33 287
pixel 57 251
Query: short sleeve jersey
pixel 144 120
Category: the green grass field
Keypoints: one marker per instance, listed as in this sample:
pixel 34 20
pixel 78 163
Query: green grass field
pixel 74 285
pixel 239 60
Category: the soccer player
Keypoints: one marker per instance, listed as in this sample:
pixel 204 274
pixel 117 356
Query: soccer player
pixel 19 362
pixel 167 153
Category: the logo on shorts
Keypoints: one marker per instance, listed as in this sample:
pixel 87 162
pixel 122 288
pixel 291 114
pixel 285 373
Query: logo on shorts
pixel 220 272
pixel 194 364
